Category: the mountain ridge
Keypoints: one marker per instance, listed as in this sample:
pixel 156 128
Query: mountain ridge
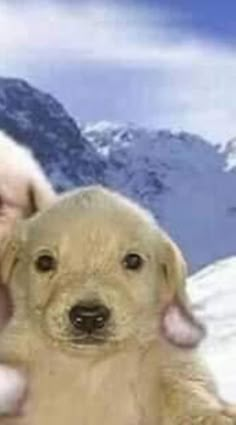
pixel 181 178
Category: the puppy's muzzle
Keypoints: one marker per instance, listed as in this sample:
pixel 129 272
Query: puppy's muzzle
pixel 89 318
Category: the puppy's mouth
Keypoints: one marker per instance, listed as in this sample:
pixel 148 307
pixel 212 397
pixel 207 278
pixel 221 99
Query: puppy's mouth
pixel 89 340
pixel 71 339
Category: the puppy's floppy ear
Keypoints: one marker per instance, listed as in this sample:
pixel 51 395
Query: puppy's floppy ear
pixel 179 325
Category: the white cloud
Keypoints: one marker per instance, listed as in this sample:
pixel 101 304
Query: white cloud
pixel 80 32
pixel 91 32
pixel 197 91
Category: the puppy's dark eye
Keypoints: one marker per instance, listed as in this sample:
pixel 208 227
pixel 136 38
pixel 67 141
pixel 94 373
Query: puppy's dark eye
pixel 133 261
pixel 45 263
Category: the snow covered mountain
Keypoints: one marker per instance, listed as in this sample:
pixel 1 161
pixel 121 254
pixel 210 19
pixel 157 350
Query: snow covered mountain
pixel 213 293
pixel 230 152
pixel 39 121
pixel 183 179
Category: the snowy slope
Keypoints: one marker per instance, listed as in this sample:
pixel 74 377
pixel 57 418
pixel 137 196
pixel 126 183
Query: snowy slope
pixel 213 292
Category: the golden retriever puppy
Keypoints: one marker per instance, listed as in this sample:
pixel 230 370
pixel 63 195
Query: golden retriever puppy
pixel 24 190
pixel 101 323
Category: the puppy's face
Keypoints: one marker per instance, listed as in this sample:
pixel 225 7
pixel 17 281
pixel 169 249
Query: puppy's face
pixel 97 271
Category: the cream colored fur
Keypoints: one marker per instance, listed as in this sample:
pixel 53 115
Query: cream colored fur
pixel 134 376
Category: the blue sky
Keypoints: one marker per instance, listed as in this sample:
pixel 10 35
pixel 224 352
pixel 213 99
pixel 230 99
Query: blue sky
pixel 208 18
pixel 164 63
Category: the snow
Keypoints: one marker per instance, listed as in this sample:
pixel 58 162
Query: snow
pixel 230 151
pixel 213 293
pixel 100 127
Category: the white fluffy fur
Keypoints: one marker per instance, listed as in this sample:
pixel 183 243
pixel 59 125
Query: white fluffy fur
pixel 18 161
pixel 24 189
pixel 12 390
pixel 20 177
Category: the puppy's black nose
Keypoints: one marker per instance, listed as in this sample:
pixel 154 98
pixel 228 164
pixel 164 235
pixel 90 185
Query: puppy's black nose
pixel 89 318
